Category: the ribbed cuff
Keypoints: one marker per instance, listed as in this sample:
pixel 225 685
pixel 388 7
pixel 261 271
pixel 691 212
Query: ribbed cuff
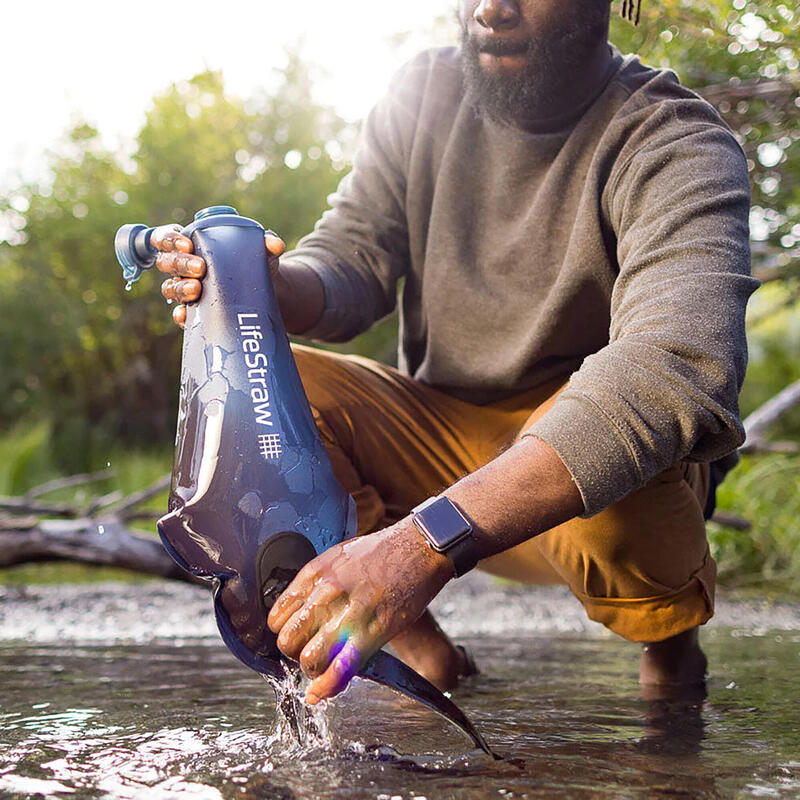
pixel 593 450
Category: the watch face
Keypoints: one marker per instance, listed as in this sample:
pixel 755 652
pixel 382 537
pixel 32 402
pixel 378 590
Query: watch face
pixel 442 524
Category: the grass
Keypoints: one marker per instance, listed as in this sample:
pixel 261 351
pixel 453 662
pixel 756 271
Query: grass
pixel 51 573
pixel 25 462
pixel 765 490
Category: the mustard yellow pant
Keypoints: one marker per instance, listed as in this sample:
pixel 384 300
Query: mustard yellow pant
pixel 641 567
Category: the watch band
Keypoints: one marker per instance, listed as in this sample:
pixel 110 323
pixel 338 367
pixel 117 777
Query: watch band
pixel 463 556
pixel 448 531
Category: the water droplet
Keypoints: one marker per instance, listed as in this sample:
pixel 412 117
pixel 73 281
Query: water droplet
pixel 128 286
pixel 101 529
pixel 108 463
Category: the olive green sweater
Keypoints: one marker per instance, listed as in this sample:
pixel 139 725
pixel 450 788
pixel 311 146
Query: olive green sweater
pixel 615 249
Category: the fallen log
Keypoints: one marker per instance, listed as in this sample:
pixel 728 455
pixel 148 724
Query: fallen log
pixel 98 533
pixel 104 541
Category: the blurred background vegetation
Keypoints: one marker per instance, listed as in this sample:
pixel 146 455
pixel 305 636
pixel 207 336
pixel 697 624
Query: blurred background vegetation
pixel 90 373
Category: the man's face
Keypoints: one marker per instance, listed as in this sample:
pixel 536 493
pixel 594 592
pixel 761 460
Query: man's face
pixel 519 55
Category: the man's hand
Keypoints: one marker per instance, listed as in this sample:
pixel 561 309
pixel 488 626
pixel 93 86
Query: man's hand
pixel 348 602
pixel 176 258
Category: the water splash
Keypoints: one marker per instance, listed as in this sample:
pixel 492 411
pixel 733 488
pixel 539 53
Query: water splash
pixel 298 726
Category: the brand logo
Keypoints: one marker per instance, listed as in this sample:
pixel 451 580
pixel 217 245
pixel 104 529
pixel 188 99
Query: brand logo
pixel 269 445
pixel 257 363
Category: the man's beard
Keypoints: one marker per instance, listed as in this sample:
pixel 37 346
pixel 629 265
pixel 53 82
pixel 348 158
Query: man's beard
pixel 551 63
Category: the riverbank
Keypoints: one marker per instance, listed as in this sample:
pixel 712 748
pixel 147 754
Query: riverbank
pixel 476 605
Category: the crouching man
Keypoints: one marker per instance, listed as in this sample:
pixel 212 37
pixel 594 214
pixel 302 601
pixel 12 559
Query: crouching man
pixel 571 232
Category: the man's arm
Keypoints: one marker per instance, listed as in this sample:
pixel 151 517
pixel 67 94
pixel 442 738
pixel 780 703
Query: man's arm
pixel 359 249
pixel 666 386
pixel 348 602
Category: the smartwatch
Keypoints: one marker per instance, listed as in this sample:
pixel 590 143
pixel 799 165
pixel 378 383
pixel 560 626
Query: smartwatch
pixel 447 531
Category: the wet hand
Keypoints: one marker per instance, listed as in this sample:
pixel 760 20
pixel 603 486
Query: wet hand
pixel 348 602
pixel 186 270
pixel 176 258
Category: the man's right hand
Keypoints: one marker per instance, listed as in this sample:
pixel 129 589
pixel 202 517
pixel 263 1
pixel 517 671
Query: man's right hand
pixel 186 270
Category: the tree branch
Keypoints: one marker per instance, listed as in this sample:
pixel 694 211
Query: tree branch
pixel 103 502
pixel 762 446
pixel 137 498
pixel 757 423
pixel 20 505
pixel 18 523
pixel 778 272
pixel 747 90
pixel 731 521
pixel 69 482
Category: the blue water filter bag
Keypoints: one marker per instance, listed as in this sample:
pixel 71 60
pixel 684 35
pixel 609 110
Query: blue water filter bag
pixel 253 495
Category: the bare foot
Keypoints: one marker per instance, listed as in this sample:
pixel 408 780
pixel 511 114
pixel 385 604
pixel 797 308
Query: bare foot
pixel 677 661
pixel 426 648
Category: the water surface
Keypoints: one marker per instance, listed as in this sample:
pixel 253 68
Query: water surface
pixel 187 721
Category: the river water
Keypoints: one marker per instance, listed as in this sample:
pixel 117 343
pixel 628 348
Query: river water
pixel 185 720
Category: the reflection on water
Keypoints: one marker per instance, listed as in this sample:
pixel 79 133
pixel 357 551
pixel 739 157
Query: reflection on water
pixel 168 721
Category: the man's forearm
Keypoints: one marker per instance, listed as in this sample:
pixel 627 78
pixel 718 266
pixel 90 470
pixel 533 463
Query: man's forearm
pixel 523 492
pixel 301 297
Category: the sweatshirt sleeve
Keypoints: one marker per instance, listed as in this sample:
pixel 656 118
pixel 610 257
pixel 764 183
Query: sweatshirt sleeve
pixel 666 386
pixel 359 248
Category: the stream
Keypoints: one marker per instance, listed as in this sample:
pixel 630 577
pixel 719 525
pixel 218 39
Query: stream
pixel 183 719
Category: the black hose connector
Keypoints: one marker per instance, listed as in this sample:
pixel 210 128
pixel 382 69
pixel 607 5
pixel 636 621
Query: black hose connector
pixel 134 251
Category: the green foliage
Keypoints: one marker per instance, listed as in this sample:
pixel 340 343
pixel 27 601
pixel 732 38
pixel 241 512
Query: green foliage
pixel 101 364
pixel 57 572
pixel 764 490
pixel 24 458
pixel 729 45
pixel 26 461
pixel 774 341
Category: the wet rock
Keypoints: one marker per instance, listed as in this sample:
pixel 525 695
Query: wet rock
pixel 475 605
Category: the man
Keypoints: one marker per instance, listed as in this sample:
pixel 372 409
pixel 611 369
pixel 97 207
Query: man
pixel 571 228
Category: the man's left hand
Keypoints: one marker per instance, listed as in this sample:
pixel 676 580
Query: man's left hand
pixel 347 603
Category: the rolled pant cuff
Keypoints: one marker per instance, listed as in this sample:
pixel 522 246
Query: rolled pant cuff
pixel 653 619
